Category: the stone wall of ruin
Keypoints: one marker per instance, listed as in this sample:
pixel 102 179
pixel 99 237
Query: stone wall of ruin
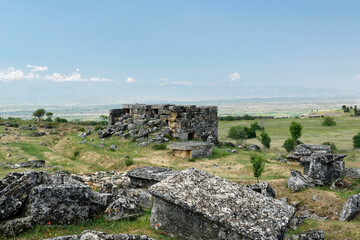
pixel 187 122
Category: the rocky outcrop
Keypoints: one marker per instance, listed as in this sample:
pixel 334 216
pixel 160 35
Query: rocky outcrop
pixel 191 149
pixel 28 164
pixel 147 176
pixel 314 234
pixel 297 220
pixel 96 235
pixel 303 151
pixel 254 147
pixel 194 204
pixel 351 208
pixel 41 197
pixel 352 172
pixel 297 181
pixel 263 188
pixel 123 207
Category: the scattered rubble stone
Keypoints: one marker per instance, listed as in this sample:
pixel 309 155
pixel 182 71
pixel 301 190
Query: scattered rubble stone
pixel 314 234
pixel 297 220
pixel 194 204
pixel 113 147
pixel 351 208
pixel 352 172
pixel 263 188
pixel 254 147
pixel 123 207
pixel 297 181
pixel 147 176
pixel 96 235
pixel 28 164
pixel 37 134
pixel 191 149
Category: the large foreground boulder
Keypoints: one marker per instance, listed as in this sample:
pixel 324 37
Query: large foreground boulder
pixel 194 204
pixel 30 198
pixel 351 208
pixel 96 235
pixel 147 176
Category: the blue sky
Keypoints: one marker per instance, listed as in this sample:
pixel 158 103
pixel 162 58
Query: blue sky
pixel 125 51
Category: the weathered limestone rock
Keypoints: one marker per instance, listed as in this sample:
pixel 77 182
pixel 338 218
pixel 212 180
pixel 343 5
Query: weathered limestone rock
pixel 40 197
pixel 305 150
pixel 96 235
pixel 191 149
pixel 351 208
pixel 313 234
pixel 352 172
pixel 325 168
pixel 297 181
pixel 123 207
pixel 197 205
pixel 263 188
pixel 147 176
pixel 65 204
pixel 254 147
pixel 297 220
pixel 339 184
pixel 142 196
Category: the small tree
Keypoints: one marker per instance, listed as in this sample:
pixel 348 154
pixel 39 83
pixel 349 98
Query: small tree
pixel 295 130
pixel 104 120
pixel 328 121
pixel 238 133
pixel 49 116
pixel 39 113
pixel 289 144
pixel 265 139
pixel 356 140
pixel 258 163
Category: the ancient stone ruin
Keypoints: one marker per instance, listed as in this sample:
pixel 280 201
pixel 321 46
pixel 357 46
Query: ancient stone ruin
pixel 191 149
pixel 186 122
pixel 194 204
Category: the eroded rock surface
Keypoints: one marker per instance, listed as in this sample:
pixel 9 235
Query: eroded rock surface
pixel 351 208
pixel 297 181
pixel 263 188
pixel 314 234
pixel 194 204
pixel 123 207
pixel 28 198
pixel 147 176
pixel 96 235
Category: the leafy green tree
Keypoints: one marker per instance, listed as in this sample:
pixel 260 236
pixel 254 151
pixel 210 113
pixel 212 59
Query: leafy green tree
pixel 258 163
pixel 289 144
pixel 332 146
pixel 265 139
pixel 356 140
pixel 328 121
pixel 255 126
pixel 238 133
pixel 39 113
pixel 295 130
pixel 104 120
pixel 49 116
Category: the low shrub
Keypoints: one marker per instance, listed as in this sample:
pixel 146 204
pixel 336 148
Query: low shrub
pixel 128 161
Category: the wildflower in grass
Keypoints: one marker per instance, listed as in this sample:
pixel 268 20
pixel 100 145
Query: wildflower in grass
pixel 49 223
pixel 158 225
pixel 163 233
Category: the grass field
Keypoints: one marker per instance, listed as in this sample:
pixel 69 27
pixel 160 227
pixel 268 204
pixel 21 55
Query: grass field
pixel 62 151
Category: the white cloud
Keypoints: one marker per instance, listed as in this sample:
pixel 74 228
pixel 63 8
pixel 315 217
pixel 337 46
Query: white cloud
pixel 184 83
pixel 356 77
pixel 234 76
pixel 165 79
pixel 37 68
pixel 130 80
pixel 74 77
pixel 12 74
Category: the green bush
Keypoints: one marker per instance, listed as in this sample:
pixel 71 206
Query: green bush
pixel 60 120
pixel 356 140
pixel 258 163
pixel 97 128
pixel 289 144
pixel 81 129
pixel 265 139
pixel 192 160
pixel 159 147
pixel 76 153
pixel 328 122
pixel 238 133
pixel 128 161
pixel 332 145
pixel 248 117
